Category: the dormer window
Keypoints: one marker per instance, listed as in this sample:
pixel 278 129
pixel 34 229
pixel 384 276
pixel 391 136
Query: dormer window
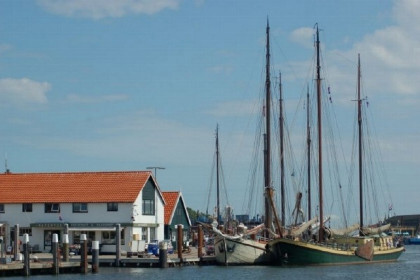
pixel 52 208
pixel 148 203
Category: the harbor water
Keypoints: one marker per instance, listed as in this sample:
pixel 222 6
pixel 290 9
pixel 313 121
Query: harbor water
pixel 407 267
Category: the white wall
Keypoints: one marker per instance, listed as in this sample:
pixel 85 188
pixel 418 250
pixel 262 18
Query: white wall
pixel 97 213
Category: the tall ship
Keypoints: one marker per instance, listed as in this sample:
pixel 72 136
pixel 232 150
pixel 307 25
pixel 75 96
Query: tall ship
pixel 245 247
pixel 327 246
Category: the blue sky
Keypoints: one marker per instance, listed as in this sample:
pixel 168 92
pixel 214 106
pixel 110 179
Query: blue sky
pixel 105 85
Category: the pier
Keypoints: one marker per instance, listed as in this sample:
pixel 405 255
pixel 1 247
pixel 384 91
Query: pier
pixel 42 263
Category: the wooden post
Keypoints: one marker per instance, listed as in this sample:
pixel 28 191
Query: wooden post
pixel 26 264
pixel 83 254
pixel 200 241
pixel 118 245
pixel 179 241
pixel 16 249
pixel 163 254
pixel 56 267
pixel 95 256
pixel 66 249
pixel 2 245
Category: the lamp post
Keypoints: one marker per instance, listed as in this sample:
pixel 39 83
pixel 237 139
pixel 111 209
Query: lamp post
pixel 155 168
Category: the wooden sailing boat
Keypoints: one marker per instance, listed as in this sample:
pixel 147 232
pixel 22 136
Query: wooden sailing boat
pixel 337 250
pixel 245 247
pixel 234 248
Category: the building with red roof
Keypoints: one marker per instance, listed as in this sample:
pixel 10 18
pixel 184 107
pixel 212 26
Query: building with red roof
pixel 176 214
pixel 93 203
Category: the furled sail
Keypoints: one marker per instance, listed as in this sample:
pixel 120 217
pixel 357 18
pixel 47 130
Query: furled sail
pixel 375 230
pixel 342 232
pixel 303 227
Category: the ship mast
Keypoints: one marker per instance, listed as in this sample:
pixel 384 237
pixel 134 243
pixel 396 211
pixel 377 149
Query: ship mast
pixel 282 184
pixel 359 110
pixel 308 143
pixel 267 146
pixel 318 86
pixel 217 176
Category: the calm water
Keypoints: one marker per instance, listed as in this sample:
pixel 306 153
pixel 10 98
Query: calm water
pixel 408 267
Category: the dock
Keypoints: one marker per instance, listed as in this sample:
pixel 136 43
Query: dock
pixel 42 263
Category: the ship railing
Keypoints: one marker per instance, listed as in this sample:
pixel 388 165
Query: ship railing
pixel 338 246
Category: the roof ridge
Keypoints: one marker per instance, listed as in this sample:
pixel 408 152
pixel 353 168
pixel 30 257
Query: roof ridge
pixel 77 172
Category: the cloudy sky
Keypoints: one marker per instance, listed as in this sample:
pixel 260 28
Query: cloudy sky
pixel 106 85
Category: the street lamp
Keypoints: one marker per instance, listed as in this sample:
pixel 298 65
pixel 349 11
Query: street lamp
pixel 155 168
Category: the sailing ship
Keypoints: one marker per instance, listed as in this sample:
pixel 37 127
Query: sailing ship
pixel 334 246
pixel 247 247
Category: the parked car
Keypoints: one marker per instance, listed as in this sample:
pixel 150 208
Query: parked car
pixel 153 247
pixel 209 246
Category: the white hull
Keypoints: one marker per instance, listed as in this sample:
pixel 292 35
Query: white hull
pixel 239 251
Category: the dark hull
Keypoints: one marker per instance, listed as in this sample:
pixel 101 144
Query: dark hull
pixel 285 251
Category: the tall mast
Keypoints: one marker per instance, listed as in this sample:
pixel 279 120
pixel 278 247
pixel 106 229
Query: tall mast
pixel 267 136
pixel 217 175
pixel 282 185
pixel 308 143
pixel 359 110
pixel 318 86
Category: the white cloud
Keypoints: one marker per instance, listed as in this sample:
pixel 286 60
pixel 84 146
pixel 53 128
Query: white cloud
pixel 23 91
pixel 235 108
pixel 303 36
pixel 389 56
pixel 98 9
pixel 76 98
pixel 5 47
pixel 136 136
pixel 221 69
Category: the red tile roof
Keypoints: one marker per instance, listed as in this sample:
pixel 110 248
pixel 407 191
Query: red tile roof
pixel 89 187
pixel 171 199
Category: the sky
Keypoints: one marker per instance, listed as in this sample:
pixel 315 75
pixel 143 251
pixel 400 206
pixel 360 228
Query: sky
pixel 104 85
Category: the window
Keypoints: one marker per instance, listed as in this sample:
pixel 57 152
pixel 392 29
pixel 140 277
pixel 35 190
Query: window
pixel 122 236
pixel 144 235
pixel 152 233
pixel 1 208
pixel 80 208
pixel 112 206
pixel 52 208
pixel 90 235
pixel 24 230
pixel 48 234
pixel 108 237
pixel 26 207
pixel 148 206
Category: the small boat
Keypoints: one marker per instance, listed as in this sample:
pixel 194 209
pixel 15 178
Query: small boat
pixel 243 248
pixel 413 240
